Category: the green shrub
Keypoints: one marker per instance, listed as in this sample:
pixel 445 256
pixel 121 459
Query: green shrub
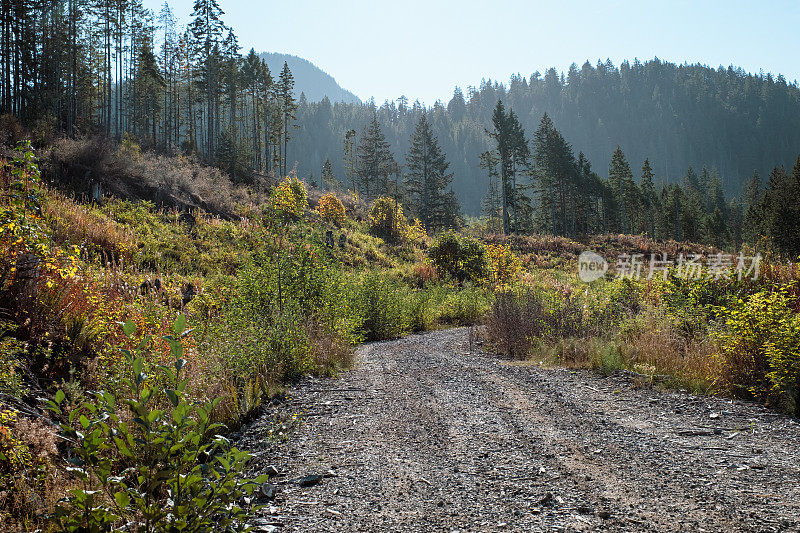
pixel 606 358
pixel 424 308
pixel 466 306
pixel 461 258
pixel 151 461
pixel 760 347
pixel 696 303
pixel 384 306
pixel 283 297
pixel 386 219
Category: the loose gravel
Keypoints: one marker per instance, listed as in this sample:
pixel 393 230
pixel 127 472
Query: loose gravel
pixel 425 434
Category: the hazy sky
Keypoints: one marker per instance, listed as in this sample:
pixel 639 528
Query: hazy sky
pixel 423 49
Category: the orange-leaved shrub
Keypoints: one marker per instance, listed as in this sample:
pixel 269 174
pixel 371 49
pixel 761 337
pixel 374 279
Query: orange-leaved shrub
pixel 331 208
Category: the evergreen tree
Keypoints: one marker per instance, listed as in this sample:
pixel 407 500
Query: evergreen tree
pixel 328 177
pixel 427 178
pixel 232 78
pixel 735 224
pixel 649 200
pixel 374 161
pixel 457 107
pixel 558 176
pixel 491 207
pixel 207 29
pixel 288 107
pixel 781 221
pixel 753 225
pixel 620 178
pixel 694 203
pixel 512 154
pixel 148 88
pixel 350 161
pixel 251 74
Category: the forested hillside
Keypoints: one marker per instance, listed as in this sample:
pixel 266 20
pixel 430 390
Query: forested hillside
pixel 310 80
pixel 675 115
pixel 122 72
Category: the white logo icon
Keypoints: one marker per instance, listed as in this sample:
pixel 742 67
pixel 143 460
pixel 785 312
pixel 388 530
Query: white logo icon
pixel 591 266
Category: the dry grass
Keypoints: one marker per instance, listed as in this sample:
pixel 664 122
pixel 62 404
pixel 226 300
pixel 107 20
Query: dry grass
pixel 543 249
pixel 559 331
pixel 658 348
pixel 77 224
pixel 173 182
pixel 329 351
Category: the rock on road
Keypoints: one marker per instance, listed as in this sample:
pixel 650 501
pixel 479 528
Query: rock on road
pixel 423 435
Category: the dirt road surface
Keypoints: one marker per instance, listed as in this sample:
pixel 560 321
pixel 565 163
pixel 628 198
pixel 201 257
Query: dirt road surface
pixel 423 435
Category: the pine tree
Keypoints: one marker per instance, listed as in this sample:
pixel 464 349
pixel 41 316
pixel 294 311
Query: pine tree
pixel 782 224
pixel 457 107
pixel 512 153
pixel 288 107
pixel 558 176
pixel 232 79
pixel 735 224
pixel 753 225
pixel 427 178
pixel 374 161
pixel 694 203
pixel 649 200
pixel 265 90
pixel 350 160
pixel 491 207
pixel 543 160
pixel 207 29
pixel 169 55
pixel 328 177
pixel 621 180
pixel 148 87
pixel 251 74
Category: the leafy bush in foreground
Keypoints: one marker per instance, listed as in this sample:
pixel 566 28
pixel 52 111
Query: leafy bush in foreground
pixel 288 313
pixel 384 305
pixel 151 461
pixel 760 347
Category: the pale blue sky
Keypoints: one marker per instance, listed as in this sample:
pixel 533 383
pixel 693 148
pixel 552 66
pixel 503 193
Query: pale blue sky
pixel 423 49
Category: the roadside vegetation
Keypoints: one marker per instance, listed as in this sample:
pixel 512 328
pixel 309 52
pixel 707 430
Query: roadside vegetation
pixel 711 332
pixel 136 335
pixel 220 311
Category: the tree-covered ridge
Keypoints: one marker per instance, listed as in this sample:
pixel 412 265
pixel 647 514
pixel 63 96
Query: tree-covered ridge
pixel 119 70
pixel 311 80
pixel 674 115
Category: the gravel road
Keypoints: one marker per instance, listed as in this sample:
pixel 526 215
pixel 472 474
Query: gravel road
pixel 425 436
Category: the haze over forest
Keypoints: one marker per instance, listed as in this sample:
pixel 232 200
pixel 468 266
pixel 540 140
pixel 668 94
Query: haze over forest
pixel 675 115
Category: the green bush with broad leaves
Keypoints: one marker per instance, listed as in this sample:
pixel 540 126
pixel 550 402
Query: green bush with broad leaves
pixel 760 347
pixel 461 258
pixel 151 461
pixel 291 287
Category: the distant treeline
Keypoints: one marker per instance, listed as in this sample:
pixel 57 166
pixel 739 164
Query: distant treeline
pixel 539 185
pixel 114 68
pixel 674 115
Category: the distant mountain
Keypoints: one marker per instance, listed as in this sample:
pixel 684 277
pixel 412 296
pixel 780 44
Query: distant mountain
pixel 309 79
